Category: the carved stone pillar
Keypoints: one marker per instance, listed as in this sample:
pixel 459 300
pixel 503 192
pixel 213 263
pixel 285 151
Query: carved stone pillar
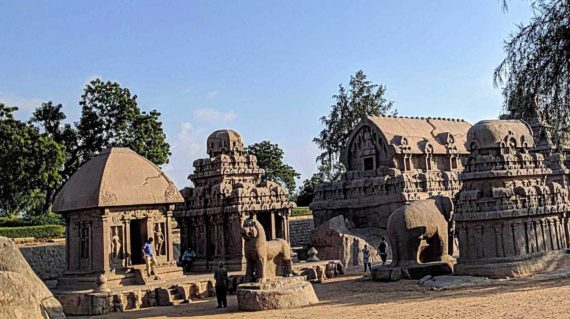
pixel 168 235
pixel 106 249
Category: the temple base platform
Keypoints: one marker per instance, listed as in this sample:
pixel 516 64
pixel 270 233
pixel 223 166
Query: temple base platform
pixel 82 295
pixel 515 268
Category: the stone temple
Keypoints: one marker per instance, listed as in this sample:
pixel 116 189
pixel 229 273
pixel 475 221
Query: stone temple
pixel 391 161
pixel 227 190
pixel 111 205
pixel 511 215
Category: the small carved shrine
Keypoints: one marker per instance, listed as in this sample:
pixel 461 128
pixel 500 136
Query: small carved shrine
pixel 391 161
pixel 111 205
pixel 227 191
pixel 511 213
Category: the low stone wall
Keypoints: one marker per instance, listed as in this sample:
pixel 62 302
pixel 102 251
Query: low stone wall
pixel 300 229
pixel 47 260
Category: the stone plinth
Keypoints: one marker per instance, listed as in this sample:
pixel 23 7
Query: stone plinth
pixel 389 273
pixel 281 293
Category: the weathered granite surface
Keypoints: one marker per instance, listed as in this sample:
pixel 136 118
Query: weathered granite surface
pixel 511 216
pixel 280 293
pixel 22 293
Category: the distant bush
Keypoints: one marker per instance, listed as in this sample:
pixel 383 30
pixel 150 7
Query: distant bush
pixel 44 219
pixel 44 231
pixel 301 211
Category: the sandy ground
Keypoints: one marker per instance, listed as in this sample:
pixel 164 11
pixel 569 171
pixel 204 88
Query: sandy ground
pixel 353 296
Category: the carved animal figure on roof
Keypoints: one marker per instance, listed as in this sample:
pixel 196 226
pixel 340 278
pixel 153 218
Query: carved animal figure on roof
pixel 421 220
pixel 265 259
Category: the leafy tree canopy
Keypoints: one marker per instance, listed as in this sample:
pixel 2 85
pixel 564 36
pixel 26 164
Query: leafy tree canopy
pixel 363 98
pixel 537 66
pixel 270 158
pixel 307 190
pixel 30 164
pixel 111 117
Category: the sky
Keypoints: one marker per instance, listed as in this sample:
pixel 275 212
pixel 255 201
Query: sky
pixel 267 69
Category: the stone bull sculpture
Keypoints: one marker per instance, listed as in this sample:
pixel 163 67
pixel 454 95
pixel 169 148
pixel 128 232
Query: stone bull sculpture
pixel 424 220
pixel 265 259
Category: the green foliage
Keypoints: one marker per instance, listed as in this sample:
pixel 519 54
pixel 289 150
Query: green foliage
pixel 307 190
pixel 111 117
pixel 30 163
pixel 363 99
pixel 536 69
pixel 301 211
pixel 44 231
pixel 43 219
pixel 49 117
pixel 270 158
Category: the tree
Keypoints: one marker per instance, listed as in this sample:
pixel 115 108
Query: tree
pixel 363 99
pixel 30 163
pixel 111 117
pixel 537 66
pixel 270 158
pixel 307 191
pixel 49 117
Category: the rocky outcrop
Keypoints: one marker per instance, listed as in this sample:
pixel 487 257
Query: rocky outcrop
pixel 22 293
pixel 335 240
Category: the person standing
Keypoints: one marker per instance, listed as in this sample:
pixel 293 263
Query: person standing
pixel 383 250
pixel 222 283
pixel 149 257
pixel 366 258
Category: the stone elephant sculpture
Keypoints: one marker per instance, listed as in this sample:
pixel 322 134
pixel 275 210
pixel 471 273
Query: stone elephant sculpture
pixel 420 220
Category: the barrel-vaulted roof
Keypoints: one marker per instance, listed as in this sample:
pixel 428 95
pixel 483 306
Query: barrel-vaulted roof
pixel 116 177
pixel 419 132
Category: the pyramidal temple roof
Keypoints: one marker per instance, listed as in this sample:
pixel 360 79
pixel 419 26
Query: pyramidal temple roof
pixel 116 177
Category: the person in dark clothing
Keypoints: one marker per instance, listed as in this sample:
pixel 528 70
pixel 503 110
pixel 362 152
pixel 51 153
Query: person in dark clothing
pixel 366 258
pixel 222 283
pixel 383 250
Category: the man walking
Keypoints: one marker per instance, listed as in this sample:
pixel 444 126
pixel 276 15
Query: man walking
pixel 366 258
pixel 149 257
pixel 222 283
pixel 383 250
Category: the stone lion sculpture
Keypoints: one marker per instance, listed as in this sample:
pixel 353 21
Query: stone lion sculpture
pixel 420 220
pixel 265 259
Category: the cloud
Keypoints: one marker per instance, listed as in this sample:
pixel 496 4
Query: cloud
pixel 210 115
pixel 189 145
pixel 212 94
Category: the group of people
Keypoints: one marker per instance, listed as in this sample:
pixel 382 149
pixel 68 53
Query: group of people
pixel 221 274
pixel 186 259
pixel 382 251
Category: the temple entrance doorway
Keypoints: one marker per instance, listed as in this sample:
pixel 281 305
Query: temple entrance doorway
pixel 138 237
pixel 264 219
